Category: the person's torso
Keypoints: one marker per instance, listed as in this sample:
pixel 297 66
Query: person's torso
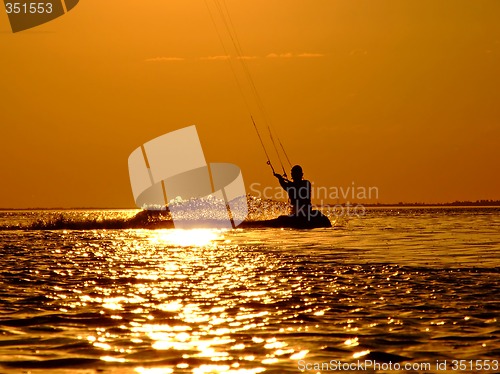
pixel 299 193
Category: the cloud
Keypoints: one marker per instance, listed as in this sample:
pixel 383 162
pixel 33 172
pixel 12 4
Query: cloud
pixel 247 57
pixel 222 57
pixel 164 59
pixel 281 55
pixel 228 57
pixel 291 55
pixel 310 55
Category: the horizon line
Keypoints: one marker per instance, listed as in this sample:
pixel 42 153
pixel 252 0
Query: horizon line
pixel 465 203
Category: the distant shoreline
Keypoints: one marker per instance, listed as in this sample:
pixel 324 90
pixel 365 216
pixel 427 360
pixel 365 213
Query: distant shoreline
pixel 456 204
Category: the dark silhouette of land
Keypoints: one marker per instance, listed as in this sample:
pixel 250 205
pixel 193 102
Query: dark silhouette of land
pixel 477 203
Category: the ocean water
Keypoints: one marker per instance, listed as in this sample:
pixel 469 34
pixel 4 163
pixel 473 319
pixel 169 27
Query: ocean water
pixel 409 290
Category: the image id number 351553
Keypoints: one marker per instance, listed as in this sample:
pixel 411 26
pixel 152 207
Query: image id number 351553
pixel 28 8
pixel 474 365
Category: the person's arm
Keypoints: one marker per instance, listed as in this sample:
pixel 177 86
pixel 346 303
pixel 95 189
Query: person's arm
pixel 283 182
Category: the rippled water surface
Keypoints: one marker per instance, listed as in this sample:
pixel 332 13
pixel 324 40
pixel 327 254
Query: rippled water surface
pixel 407 286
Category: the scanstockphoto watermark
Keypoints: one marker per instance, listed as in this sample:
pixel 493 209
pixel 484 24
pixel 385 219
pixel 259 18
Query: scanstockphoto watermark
pixel 459 366
pixel 326 197
pixel 362 365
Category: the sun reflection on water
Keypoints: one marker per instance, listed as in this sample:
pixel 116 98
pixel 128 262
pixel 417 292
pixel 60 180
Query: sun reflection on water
pixel 192 300
pixel 187 238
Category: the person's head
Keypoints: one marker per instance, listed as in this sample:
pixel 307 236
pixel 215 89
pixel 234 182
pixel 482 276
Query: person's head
pixel 297 173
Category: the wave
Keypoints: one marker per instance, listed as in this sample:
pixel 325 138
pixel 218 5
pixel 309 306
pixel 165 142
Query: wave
pixel 153 218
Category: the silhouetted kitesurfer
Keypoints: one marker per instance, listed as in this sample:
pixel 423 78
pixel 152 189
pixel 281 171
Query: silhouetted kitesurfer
pixel 302 214
pixel 299 192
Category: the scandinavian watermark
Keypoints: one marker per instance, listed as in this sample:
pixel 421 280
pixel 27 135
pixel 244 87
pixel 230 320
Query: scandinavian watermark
pixel 325 197
pixel 322 193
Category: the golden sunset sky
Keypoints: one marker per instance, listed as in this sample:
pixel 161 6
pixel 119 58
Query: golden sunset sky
pixel 403 95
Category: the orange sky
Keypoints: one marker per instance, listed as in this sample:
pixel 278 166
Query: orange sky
pixel 401 95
